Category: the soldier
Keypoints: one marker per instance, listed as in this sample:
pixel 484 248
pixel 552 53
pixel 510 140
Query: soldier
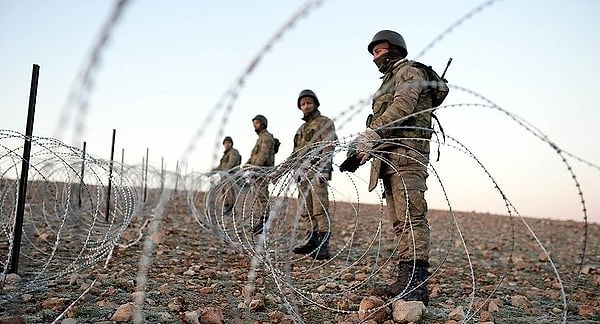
pixel 262 155
pixel 312 185
pixel 231 158
pixel 401 127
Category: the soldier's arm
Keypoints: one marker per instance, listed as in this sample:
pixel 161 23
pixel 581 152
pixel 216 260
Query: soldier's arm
pixel 238 158
pixel 408 85
pixel 219 167
pixel 252 155
pixel 297 142
pixel 328 138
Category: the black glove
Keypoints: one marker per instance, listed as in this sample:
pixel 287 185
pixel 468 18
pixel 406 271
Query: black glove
pixel 350 164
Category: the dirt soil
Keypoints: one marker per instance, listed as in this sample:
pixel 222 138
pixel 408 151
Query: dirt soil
pixel 498 273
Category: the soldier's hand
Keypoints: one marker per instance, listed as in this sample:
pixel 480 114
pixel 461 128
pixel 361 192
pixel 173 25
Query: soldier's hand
pixel 321 177
pixel 359 150
pixel 366 140
pixel 363 157
pixel 273 177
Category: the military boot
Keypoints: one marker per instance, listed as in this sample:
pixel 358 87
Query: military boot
pixel 420 293
pixel 310 244
pixel 322 251
pixel 227 209
pixel 258 226
pixel 410 276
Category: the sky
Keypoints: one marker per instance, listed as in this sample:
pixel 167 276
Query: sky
pixel 166 67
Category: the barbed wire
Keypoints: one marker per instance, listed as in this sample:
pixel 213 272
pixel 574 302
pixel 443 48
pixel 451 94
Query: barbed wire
pixel 65 226
pixel 63 237
pixel 83 85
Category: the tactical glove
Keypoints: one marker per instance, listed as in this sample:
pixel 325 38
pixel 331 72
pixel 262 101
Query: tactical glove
pixel 351 164
pixel 358 150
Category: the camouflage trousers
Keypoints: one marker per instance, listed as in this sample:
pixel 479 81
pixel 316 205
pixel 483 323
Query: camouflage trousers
pixel 228 193
pixel 261 200
pixel 407 208
pixel 313 197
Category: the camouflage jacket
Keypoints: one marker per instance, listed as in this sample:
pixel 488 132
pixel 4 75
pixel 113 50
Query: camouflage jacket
pixel 396 118
pixel 263 153
pixel 316 128
pixel 230 159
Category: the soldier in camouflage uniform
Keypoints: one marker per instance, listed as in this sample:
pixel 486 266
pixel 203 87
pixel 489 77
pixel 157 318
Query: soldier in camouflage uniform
pixel 312 185
pixel 231 158
pixel 401 127
pixel 262 155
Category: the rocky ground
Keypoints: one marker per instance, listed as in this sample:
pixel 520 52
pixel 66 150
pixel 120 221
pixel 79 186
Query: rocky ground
pixel 496 273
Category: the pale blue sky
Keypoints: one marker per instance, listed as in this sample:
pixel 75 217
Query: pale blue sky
pixel 168 63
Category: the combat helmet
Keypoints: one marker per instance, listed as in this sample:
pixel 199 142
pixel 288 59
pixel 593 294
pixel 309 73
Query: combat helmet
pixel 262 119
pixel 391 37
pixel 308 93
pixel 228 139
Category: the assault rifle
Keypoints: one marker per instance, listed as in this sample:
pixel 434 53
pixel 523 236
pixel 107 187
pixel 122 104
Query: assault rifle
pixel 446 69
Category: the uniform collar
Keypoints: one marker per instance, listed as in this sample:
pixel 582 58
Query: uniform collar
pixel 397 64
pixel 394 69
pixel 314 114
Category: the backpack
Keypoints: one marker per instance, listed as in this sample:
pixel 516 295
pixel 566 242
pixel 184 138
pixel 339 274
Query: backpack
pixel 276 144
pixel 438 87
pixel 439 91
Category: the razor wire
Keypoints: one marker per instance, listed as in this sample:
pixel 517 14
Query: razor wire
pixel 83 85
pixel 65 227
pixel 57 224
pixel 283 228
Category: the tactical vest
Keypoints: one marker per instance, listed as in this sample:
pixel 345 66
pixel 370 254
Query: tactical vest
pixel 264 139
pixel 232 155
pixel 312 131
pixel 418 126
pixel 224 161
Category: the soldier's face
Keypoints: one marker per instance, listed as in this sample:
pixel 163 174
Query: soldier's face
pixel 307 105
pixel 380 49
pixel 257 124
pixel 227 145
